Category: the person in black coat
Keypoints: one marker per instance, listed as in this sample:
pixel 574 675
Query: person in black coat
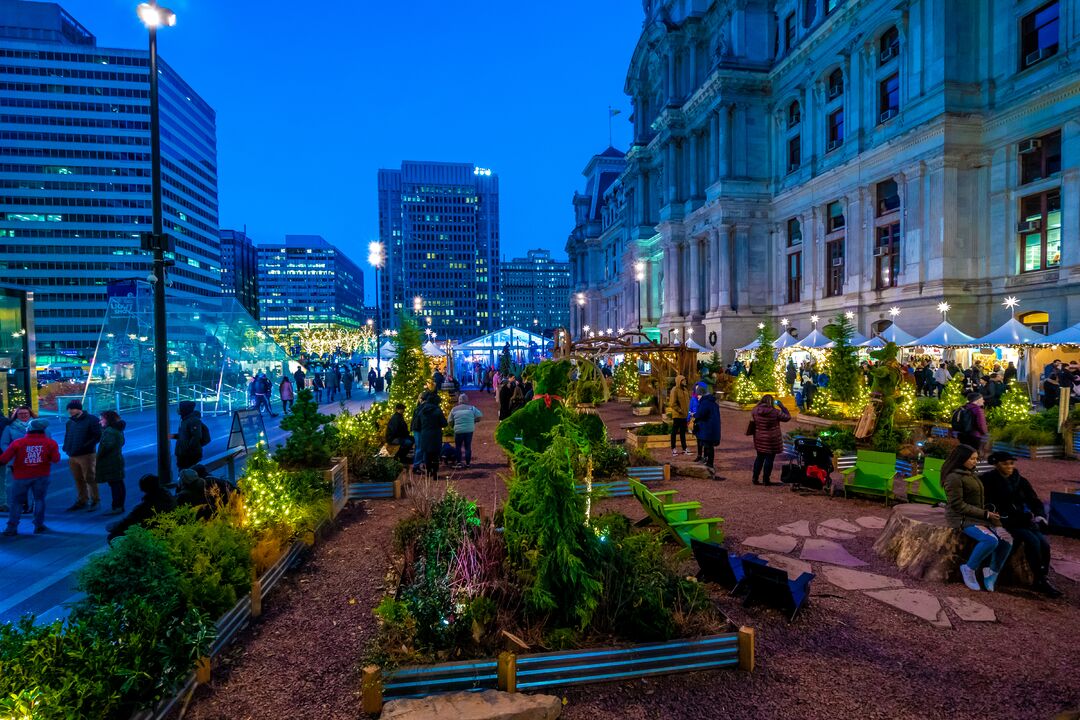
pixel 156 499
pixel 707 430
pixel 432 421
pixel 347 380
pixel 505 394
pixel 299 377
pixel 192 436
pixel 1010 373
pixel 397 433
pixel 1022 514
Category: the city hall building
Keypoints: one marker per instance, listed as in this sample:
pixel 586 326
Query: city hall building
pixel 799 157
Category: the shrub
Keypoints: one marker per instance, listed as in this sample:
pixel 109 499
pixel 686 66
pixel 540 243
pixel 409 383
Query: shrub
pixel 372 468
pixel 939 447
pixel 838 438
pixel 137 565
pixel 311 437
pixel 213 558
pixel 273 496
pixel 359 437
pixel 609 460
pixel 927 409
pixel 660 428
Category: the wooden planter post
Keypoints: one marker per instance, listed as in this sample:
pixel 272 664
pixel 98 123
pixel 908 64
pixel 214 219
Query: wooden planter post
pixel 371 700
pixel 202 670
pixel 746 648
pixel 256 595
pixel 507 672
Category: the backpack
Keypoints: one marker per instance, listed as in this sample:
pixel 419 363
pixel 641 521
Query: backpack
pixel 204 434
pixel 962 421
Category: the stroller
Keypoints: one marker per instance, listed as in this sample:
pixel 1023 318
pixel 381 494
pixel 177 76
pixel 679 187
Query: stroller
pixel 812 466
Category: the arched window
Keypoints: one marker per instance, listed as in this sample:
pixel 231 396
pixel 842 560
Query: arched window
pixel 881 326
pixel 794 114
pixel 835 86
pixel 1036 320
pixel 889 45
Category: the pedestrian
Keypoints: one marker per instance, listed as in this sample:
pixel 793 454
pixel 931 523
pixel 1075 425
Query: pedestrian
pixel 285 392
pixel 317 387
pixel 389 378
pixel 691 423
pixel 263 391
pixel 156 499
pixel 347 380
pixel 110 459
pixel 463 422
pixel 768 441
pixel 371 375
pixel 678 410
pixel 194 493
pixel 517 397
pixel 32 457
pixel 505 393
pixel 438 378
pixel 15 429
pixel 81 435
pixel 300 377
pixel 969 422
pixel 966 511
pixel 191 437
pixel 333 382
pixel 414 428
pixel 1010 373
pixel 941 378
pixel 432 421
pixel 707 428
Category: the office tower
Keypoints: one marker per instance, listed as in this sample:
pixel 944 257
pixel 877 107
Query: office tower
pixel 305 282
pixel 535 289
pixel 240 269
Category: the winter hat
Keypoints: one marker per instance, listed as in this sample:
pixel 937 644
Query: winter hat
pixel 75 405
pixel 38 425
pixel 973 396
pixel 186 408
pixel 189 478
pixel 1000 456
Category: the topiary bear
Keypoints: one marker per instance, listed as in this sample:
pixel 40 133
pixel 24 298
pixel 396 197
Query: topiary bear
pixel 533 422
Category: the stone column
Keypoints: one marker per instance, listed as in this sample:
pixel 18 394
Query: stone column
pixel 724 275
pixel 694 277
pixel 714 145
pixel 693 164
pixel 671 172
pixel 712 284
pixel 671 282
pixel 723 142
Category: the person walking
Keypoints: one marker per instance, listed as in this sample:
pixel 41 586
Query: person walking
pixel 347 381
pixel 691 424
pixel 333 382
pixel 15 429
pixel 707 428
pixel 432 421
pixel 679 410
pixel 941 378
pixel 970 422
pixel 768 440
pixel 110 459
pixel 505 393
pixel 371 375
pixel 81 435
pixel 301 378
pixel 317 387
pixel 414 428
pixel 32 457
pixel 388 376
pixel 438 379
pixel 285 392
pixel 966 511
pixel 191 437
pixel 463 422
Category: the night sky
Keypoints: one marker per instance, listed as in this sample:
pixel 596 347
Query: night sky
pixel 312 98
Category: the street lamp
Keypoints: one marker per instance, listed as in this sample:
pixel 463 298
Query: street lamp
pixel 154 17
pixel 639 275
pixel 376 256
pixel 580 298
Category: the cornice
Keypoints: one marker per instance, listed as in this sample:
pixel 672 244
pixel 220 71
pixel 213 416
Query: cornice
pixel 821 34
pixel 1041 101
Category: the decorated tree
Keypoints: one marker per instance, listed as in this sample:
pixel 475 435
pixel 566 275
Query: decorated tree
pixel 1015 404
pixel 745 392
pixel 626 377
pixel 412 369
pixel 952 396
pixel 843 362
pixel 311 435
pixel 764 366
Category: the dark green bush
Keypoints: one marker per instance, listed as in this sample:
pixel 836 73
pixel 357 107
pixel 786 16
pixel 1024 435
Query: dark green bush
pixel 373 468
pixel 137 565
pixel 311 437
pixel 660 428
pixel 927 409
pixel 609 460
pixel 939 447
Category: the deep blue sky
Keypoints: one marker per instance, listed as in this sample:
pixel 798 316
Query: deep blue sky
pixel 312 98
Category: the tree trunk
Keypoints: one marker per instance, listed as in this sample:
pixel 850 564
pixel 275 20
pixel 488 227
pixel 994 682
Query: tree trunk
pixel 921 544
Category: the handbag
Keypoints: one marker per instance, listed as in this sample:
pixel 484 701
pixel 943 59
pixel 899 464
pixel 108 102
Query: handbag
pixel 751 428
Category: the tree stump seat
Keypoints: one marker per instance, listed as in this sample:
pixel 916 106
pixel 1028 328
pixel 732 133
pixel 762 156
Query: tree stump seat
pixel 917 538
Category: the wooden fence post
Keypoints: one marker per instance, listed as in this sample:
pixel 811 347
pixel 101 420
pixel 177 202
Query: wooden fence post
pixel 507 672
pixel 256 597
pixel 371 700
pixel 202 670
pixel 746 648
pixel 667 472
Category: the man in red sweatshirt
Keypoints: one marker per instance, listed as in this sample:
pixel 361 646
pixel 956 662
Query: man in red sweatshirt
pixel 34 455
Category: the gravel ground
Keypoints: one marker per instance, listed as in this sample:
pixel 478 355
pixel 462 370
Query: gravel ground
pixel 845 656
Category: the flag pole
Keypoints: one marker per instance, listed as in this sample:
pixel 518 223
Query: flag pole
pixel 609 136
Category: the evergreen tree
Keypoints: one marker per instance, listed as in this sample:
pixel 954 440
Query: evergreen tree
pixel 1015 404
pixel 844 375
pixel 505 364
pixel 412 369
pixel 764 367
pixel 952 396
pixel 311 438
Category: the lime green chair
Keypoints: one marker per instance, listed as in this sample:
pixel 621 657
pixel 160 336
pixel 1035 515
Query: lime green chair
pixel 677 518
pixel 929 488
pixel 872 474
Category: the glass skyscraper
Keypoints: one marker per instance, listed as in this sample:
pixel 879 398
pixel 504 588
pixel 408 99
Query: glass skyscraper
pixel 75 174
pixel 305 282
pixel 440 225
pixel 535 291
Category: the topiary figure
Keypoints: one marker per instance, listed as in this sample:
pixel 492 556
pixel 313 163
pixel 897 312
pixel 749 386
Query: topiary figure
pixel 884 392
pixel 534 421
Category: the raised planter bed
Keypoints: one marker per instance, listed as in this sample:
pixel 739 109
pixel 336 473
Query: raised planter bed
pixel 394 490
pixel 1032 452
pixel 536 671
pixel 642 410
pixel 635 440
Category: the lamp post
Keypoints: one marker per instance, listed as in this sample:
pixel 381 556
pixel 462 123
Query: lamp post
pixel 580 298
pixel 639 275
pixel 376 256
pixel 154 17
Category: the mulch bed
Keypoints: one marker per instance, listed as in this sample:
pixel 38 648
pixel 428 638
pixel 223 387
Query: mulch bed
pixel 845 656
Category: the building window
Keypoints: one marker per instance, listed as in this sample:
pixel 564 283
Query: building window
pixel 794 154
pixel 809 12
pixel 794 232
pixel 1039 35
pixel 889 98
pixel 835 87
pixel 789 32
pixel 887 256
pixel 888 197
pixel 794 114
pixel 834 256
pixel 1036 320
pixel 1040 231
pixel 889 45
pixel 1040 157
pixel 835 137
pixel 836 216
pixel 794 276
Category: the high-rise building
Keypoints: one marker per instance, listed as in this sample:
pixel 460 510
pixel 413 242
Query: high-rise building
pixel 534 290
pixel 75 173
pixel 240 269
pixel 305 282
pixel 794 158
pixel 439 223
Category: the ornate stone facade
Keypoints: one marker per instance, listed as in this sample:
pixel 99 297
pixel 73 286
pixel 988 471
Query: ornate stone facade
pixel 794 157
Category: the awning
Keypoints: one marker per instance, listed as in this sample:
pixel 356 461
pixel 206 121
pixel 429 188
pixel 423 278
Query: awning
pixel 433 350
pixel 753 345
pixel 785 340
pixel 816 339
pixel 694 346
pixel 1068 336
pixel 1013 332
pixel 944 335
pixel 891 334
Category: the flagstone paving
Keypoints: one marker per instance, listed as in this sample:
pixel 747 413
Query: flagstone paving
pixel 841 525
pixel 776 543
pixel 799 527
pixel 848 579
pixel 871 522
pixel 970 610
pixel 793 566
pixel 834 534
pixel 830 552
pixel 919 603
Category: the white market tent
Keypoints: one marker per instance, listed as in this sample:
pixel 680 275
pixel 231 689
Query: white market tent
pixel 695 346
pixel 387 351
pixel 1012 332
pixel 944 335
pixel 749 347
pixel 433 350
pixel 891 334
pixel 1068 336
pixel 816 339
pixel 487 348
pixel 785 340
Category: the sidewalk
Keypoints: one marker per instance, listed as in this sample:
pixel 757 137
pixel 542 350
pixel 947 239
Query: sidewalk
pixel 37 572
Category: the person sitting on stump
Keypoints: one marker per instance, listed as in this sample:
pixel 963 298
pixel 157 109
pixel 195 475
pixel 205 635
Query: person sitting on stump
pixel 156 499
pixel 1022 514
pixel 397 433
pixel 966 511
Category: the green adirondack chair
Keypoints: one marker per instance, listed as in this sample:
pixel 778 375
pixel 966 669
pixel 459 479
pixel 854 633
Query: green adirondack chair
pixel 679 519
pixel 872 474
pixel 929 489
pixel 700 529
